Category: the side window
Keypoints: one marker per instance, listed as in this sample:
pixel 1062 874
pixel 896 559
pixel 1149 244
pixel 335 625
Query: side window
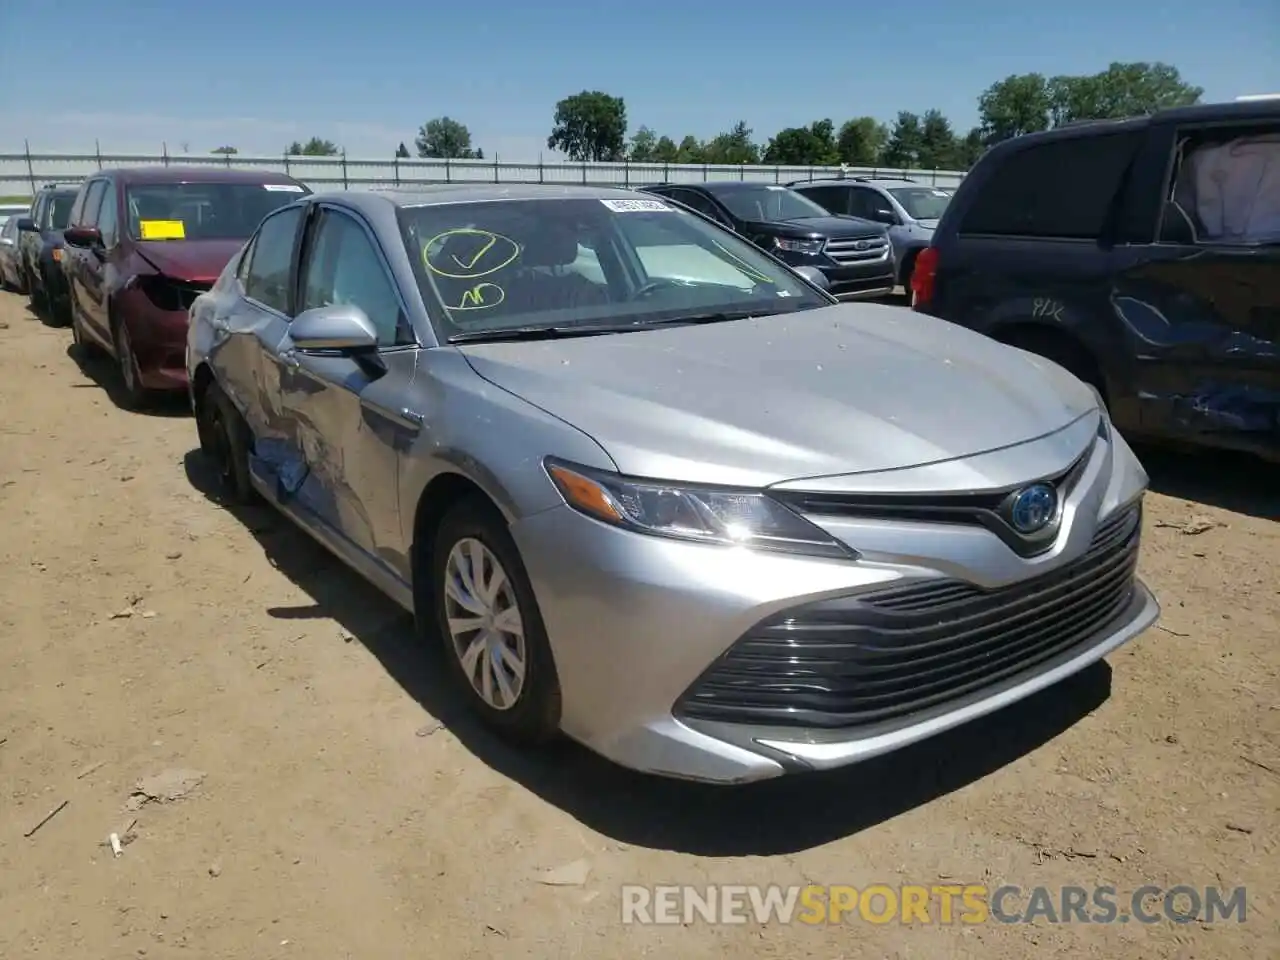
pixel 344 267
pixel 268 276
pixel 40 210
pixel 1224 187
pixel 89 216
pixel 246 257
pixel 1061 189
pixel 831 199
pixel 77 208
pixel 108 216
pixel 863 202
pixel 700 203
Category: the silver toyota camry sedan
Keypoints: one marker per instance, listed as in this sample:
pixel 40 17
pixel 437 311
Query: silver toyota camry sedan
pixel 655 490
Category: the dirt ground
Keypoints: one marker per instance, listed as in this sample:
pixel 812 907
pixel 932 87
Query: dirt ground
pixel 349 809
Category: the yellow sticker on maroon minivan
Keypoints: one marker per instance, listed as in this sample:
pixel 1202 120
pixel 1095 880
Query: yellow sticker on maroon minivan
pixel 162 229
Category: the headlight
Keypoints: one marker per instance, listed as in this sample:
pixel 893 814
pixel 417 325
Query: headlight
pixel 705 514
pixel 799 246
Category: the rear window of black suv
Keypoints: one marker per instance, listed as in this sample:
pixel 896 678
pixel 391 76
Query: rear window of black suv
pixel 1059 189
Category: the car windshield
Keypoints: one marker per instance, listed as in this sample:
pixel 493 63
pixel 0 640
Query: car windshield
pixel 767 203
pixel 581 262
pixel 59 215
pixel 203 211
pixel 922 203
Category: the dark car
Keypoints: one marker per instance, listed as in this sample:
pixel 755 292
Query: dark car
pixel 1143 255
pixel 10 276
pixel 143 244
pixel 853 254
pixel 909 209
pixel 40 251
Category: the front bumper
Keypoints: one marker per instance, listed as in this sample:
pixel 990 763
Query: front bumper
pixel 159 340
pixel 859 281
pixel 657 642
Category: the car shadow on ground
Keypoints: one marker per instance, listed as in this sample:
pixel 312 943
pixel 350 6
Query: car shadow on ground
pixel 1232 481
pixel 778 816
pixel 104 374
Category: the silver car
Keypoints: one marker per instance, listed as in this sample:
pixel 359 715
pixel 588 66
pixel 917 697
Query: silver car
pixel 655 490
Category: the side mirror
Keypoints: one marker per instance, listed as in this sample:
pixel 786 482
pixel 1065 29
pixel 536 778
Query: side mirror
pixel 814 276
pixel 341 327
pixel 885 215
pixel 26 225
pixel 83 237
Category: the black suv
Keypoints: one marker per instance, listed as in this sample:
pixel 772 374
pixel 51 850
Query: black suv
pixel 40 248
pixel 854 255
pixel 1143 255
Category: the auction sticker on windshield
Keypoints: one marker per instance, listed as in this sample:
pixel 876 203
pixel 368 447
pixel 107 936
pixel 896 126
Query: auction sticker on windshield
pixel 635 206
pixel 162 230
pixel 282 187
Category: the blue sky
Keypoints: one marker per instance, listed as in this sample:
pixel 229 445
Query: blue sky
pixel 365 75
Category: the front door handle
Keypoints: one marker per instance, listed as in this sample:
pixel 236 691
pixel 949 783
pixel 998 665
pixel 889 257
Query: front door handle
pixel 290 360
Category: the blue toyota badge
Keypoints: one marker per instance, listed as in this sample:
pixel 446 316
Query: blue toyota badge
pixel 1034 508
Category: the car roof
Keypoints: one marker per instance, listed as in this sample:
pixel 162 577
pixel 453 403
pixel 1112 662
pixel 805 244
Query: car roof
pixel 852 181
pixel 432 195
pixel 195 174
pixel 60 188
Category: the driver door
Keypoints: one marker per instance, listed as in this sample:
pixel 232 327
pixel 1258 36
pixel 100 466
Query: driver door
pixel 348 413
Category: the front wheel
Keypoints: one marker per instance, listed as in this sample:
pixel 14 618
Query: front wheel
pixel 136 396
pixel 496 644
pixel 224 439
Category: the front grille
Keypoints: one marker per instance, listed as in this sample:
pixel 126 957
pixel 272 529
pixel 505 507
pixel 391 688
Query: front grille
pixel 857 250
pixel 893 653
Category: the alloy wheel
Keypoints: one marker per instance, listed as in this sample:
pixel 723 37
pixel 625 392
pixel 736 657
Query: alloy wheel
pixel 484 622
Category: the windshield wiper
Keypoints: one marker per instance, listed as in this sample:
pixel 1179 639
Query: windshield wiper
pixel 534 333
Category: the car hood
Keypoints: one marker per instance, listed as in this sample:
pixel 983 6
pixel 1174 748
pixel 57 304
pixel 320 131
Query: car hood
pixel 198 260
pixel 835 226
pixel 844 389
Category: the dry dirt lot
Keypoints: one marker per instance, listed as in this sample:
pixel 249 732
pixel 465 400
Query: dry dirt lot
pixel 348 809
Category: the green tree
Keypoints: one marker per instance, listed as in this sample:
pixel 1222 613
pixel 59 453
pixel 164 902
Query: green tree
pixel 315 147
pixel 691 150
pixel 665 151
pixel 937 143
pixel 905 143
pixel 735 146
pixel 969 149
pixel 445 139
pixel 860 141
pixel 1122 90
pixel 225 151
pixel 814 145
pixel 643 143
pixel 590 125
pixel 1011 107
pixel 402 151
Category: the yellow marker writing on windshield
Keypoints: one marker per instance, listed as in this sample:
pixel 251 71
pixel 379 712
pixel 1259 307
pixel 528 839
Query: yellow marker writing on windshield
pixel 162 230
pixel 487 252
pixel 481 297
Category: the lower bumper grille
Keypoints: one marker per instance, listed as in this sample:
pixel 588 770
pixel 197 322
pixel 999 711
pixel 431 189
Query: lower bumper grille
pixel 883 656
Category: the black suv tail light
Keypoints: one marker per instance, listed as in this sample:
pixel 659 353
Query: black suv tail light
pixel 923 275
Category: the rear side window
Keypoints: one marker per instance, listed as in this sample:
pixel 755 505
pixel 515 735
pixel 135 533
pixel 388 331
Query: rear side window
pixel 268 277
pixel 834 199
pixel 1062 189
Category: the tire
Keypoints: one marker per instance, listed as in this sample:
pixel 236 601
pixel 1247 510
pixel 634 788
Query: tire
pixel 36 298
pixel 224 440
pixel 52 316
pixel 135 395
pixel 531 714
pixel 86 349
pixel 908 268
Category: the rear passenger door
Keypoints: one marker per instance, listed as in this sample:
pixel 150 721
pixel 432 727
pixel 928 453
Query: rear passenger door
pixel 1033 248
pixel 1197 283
pixel 350 420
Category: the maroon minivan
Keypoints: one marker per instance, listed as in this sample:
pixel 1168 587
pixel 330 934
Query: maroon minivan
pixel 142 244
